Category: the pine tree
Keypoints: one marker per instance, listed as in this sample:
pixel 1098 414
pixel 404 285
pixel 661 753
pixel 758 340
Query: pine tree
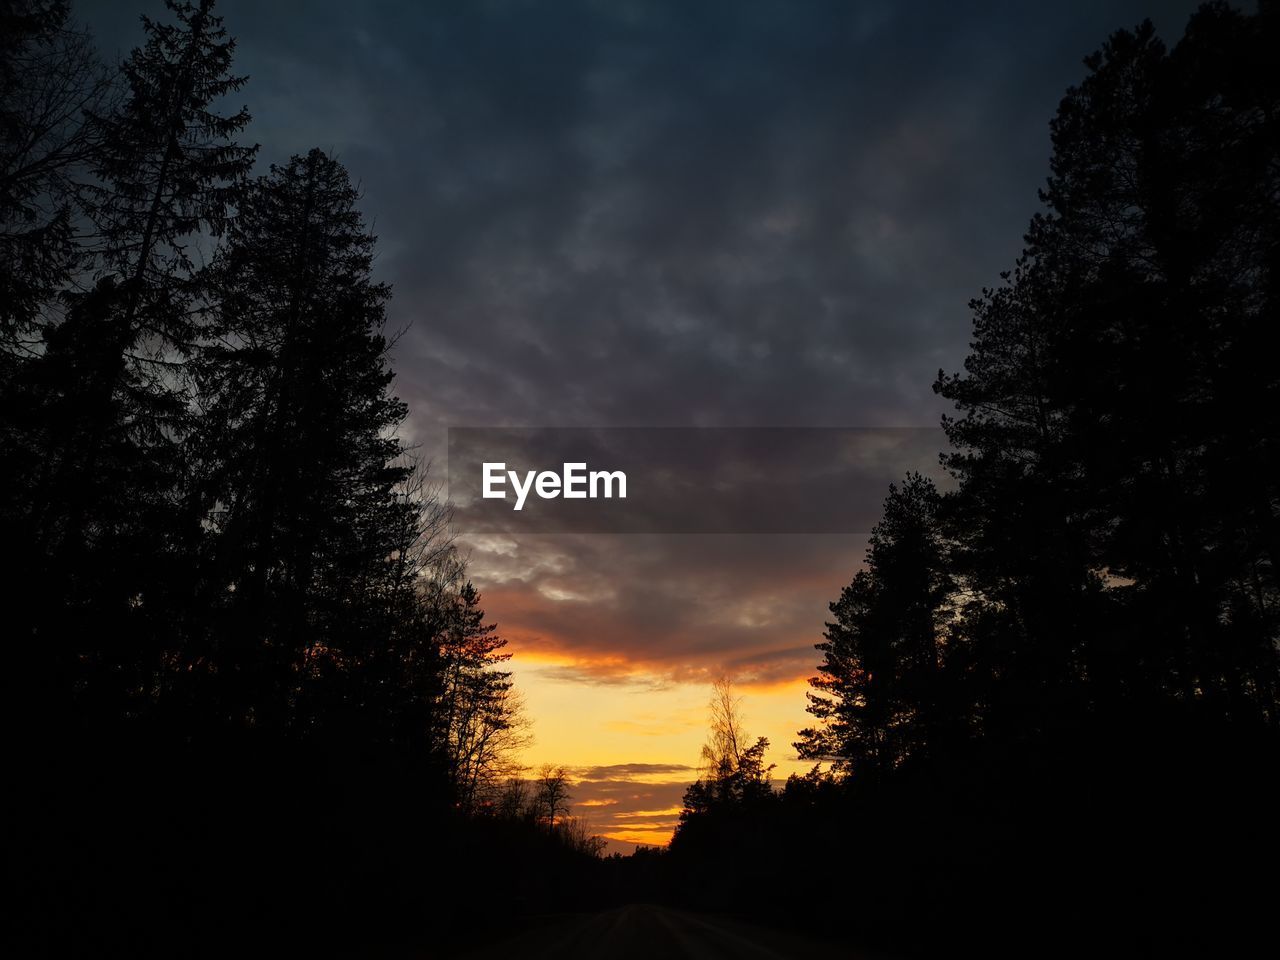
pixel 102 407
pixel 1031 595
pixel 1117 472
pixel 296 459
pixel 168 167
pixel 1162 203
pixel 882 692
pixel 50 78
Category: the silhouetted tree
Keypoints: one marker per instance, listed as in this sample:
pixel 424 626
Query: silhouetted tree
pixel 50 79
pixel 101 409
pixel 513 800
pixel 577 835
pixel 726 740
pixel 1076 650
pixel 733 775
pixel 1118 497
pixel 168 167
pixel 297 464
pixel 551 794
pixel 881 691
pixel 480 726
pixel 1029 598
pixel 243 660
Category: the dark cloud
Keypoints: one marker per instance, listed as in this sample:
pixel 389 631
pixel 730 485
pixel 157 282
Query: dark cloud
pixel 629 811
pixel 683 607
pixel 621 213
pixel 753 213
pixel 611 775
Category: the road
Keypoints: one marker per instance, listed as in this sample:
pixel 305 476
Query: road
pixel 647 932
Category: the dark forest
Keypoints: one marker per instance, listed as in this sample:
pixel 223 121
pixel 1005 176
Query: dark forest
pixel 253 700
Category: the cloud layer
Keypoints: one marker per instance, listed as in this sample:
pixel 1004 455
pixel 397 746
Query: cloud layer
pixel 621 213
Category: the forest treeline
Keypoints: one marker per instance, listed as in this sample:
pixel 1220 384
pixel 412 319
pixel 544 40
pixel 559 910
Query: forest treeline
pixel 246 675
pixel 249 686
pixel 1046 714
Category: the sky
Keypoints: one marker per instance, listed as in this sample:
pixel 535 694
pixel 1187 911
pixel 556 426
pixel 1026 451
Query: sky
pixel 616 213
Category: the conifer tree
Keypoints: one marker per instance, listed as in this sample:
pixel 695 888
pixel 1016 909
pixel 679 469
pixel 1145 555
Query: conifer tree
pixel 168 167
pixel 50 80
pixel 296 459
pixel 103 404
pixel 1118 494
pixel 881 694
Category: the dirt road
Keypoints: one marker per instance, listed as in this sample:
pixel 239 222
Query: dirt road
pixel 646 932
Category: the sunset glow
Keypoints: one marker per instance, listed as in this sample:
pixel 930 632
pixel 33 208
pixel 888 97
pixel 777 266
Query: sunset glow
pixel 632 739
pixel 649 479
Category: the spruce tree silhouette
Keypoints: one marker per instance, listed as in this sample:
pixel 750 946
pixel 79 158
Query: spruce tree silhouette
pixel 1058 682
pixel 231 600
pixel 295 450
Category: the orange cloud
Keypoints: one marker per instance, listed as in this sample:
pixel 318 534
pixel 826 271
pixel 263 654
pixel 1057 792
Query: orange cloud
pixel 680 608
pixel 615 641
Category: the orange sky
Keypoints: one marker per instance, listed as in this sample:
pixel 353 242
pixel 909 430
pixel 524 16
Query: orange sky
pixel 617 687
pixel 632 742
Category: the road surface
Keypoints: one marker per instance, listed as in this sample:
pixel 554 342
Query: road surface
pixel 646 932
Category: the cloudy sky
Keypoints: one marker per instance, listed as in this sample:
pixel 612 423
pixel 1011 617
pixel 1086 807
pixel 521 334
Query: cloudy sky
pixel 623 213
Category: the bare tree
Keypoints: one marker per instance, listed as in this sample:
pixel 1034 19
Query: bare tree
pixel 513 799
pixel 580 838
pixel 733 769
pixel 491 732
pixel 552 798
pixel 726 739
pixel 480 727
